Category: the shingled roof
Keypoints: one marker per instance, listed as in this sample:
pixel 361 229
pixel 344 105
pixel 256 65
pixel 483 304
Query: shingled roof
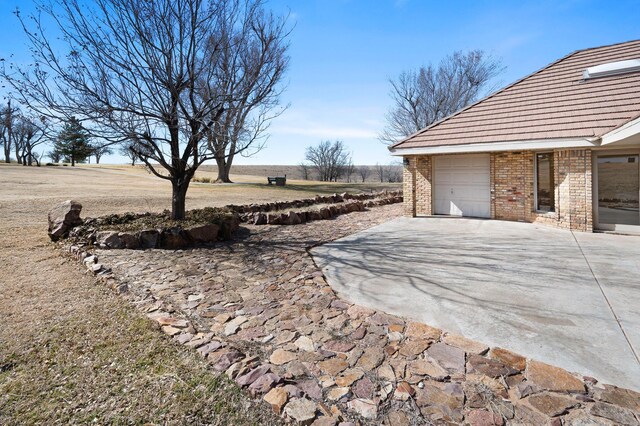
pixel 553 103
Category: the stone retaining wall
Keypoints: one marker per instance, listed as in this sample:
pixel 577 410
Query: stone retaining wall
pixel 318 199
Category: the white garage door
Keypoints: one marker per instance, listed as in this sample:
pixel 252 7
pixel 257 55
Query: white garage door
pixel 462 185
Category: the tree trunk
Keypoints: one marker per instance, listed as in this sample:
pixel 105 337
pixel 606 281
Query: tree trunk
pixel 178 199
pixel 223 170
pixel 73 160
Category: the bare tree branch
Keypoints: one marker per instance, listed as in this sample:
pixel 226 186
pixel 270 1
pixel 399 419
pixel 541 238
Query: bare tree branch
pixel 138 70
pixel 422 97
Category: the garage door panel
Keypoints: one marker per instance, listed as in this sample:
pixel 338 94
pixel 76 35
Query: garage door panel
pixel 462 185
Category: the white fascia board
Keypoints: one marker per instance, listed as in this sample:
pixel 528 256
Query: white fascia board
pixel 632 128
pixel 500 146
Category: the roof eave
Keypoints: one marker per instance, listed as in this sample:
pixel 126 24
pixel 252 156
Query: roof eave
pixel 529 145
pixel 625 131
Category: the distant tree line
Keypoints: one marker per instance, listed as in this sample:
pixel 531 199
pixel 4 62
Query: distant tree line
pixel 330 162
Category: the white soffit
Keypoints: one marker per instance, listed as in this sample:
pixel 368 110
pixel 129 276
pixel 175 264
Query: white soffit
pixel 622 133
pixel 499 146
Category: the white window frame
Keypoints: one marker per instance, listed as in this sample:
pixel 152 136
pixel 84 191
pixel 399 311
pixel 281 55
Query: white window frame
pixel 535 182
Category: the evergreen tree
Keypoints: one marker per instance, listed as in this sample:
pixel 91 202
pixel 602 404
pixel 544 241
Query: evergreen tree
pixel 72 142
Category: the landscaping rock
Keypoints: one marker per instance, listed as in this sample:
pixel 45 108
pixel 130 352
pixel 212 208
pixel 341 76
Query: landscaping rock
pixel 348 377
pixel 338 346
pixel 551 405
pixel 488 367
pixel 448 357
pixel 371 358
pixel 404 391
pixel 338 392
pixel 513 360
pixel 416 330
pixel 422 367
pixel 484 418
pixel 109 239
pixel 467 345
pixel 311 388
pixel 303 411
pixel 173 239
pixel 552 378
pixel 62 218
pixel 280 357
pixel 364 388
pixel 225 359
pixel 365 407
pixel 253 375
pixel 623 397
pixel 129 241
pixel 264 383
pixel 233 326
pixel 334 366
pixel 304 344
pixel 277 397
pixel 149 238
pixel 203 234
pixel 618 415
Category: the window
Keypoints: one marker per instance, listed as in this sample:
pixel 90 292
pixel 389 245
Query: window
pixel 545 197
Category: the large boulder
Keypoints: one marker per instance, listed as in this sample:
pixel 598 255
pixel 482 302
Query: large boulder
pixel 174 238
pixel 149 238
pixel 63 218
pixel 109 239
pixel 204 234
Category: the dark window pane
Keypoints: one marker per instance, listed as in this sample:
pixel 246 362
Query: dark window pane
pixel 544 182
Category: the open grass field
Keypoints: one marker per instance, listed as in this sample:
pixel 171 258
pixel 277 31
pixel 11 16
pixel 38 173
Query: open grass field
pixel 73 352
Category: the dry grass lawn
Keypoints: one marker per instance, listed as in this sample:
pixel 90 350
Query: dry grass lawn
pixel 73 352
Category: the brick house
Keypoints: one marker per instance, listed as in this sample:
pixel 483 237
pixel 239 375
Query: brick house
pixel 560 147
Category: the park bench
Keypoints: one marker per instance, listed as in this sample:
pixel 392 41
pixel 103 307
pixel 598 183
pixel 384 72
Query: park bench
pixel 278 180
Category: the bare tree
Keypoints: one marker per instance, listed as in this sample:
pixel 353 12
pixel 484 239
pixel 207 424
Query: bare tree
pixel 55 156
pixel 249 84
pixel 304 170
pixel 100 150
pixel 135 70
pixel 422 97
pixel 7 124
pixel 364 172
pixel 328 159
pixel 393 172
pixel 348 170
pixel 381 172
pixel 29 133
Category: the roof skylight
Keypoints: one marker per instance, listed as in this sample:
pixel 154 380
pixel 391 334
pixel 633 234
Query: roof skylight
pixel 612 68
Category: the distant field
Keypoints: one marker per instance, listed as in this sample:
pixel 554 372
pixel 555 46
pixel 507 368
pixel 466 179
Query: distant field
pixel 295 172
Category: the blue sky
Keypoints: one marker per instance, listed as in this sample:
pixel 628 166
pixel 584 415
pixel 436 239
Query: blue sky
pixel 344 51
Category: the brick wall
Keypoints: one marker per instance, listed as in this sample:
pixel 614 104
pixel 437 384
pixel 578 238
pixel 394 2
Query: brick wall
pixel 513 186
pixel 417 186
pixel 509 174
pixel 424 205
pixel 409 187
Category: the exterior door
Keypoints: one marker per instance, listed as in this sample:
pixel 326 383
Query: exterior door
pixel 618 191
pixel 462 185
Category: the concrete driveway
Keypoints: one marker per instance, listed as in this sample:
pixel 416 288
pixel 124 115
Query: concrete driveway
pixel 569 299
